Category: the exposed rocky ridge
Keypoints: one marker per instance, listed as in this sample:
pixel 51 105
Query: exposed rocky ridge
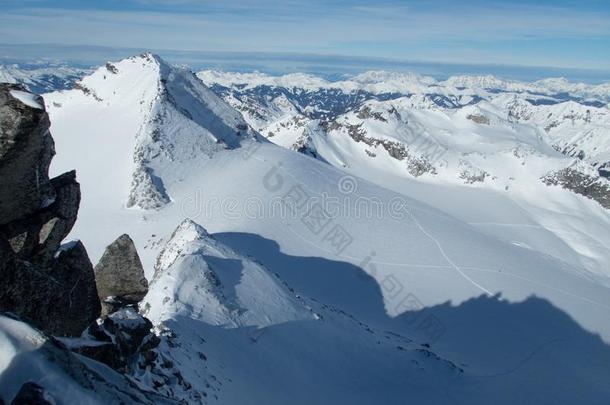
pixel 51 287
pixel 119 339
pixel 416 165
pixel 592 187
pixel 53 370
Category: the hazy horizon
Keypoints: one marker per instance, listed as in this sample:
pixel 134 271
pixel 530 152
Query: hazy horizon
pixel 332 67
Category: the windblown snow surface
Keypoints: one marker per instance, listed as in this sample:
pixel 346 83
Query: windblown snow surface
pixel 286 279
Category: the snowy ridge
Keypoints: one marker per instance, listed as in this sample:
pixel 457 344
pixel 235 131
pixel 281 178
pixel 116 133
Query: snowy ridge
pixel 198 277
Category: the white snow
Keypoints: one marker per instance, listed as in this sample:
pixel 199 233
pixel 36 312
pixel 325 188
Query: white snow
pixel 23 358
pixel 29 99
pixel 405 83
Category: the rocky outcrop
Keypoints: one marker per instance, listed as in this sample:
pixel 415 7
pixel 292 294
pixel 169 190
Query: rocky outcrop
pixel 147 190
pixel 120 274
pixel 32 394
pixel 416 165
pixel 49 285
pixel 39 235
pixel 60 299
pixel 604 170
pixel 26 149
pixel 479 119
pixel 123 340
pixel 61 376
pixel 594 188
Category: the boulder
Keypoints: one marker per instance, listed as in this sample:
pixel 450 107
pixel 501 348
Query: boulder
pixel 26 149
pixel 120 274
pixel 80 304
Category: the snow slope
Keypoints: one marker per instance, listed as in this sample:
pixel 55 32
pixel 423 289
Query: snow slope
pixel 460 145
pixel 376 266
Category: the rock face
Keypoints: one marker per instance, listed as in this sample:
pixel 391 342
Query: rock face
pixel 26 149
pixel 40 234
pixel 49 285
pixel 120 274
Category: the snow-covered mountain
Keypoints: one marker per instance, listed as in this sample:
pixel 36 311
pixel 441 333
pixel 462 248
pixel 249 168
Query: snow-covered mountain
pixel 394 267
pixel 174 119
pixel 575 116
pixel 485 137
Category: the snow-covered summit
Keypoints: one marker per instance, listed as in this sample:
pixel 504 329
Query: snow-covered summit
pixel 168 118
pixel 199 277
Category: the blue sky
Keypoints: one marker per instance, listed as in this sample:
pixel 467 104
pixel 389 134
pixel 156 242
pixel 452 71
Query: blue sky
pixel 560 34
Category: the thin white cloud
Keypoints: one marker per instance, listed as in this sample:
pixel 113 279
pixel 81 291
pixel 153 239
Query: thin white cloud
pixel 444 35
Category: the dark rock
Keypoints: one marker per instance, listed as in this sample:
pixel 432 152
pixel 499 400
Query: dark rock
pixel 61 299
pixel 60 216
pixel 32 394
pixel 604 170
pixel 80 304
pixel 112 68
pixel 101 384
pixel 26 149
pixel 366 113
pixel 38 236
pixel 120 273
pixel 126 339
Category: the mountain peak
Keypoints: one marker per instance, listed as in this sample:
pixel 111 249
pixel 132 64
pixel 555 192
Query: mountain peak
pixel 171 120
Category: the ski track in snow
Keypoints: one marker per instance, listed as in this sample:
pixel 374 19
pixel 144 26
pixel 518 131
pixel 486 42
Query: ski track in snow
pixel 544 228
pixel 539 284
pixel 442 252
pixel 451 263
pixel 419 226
